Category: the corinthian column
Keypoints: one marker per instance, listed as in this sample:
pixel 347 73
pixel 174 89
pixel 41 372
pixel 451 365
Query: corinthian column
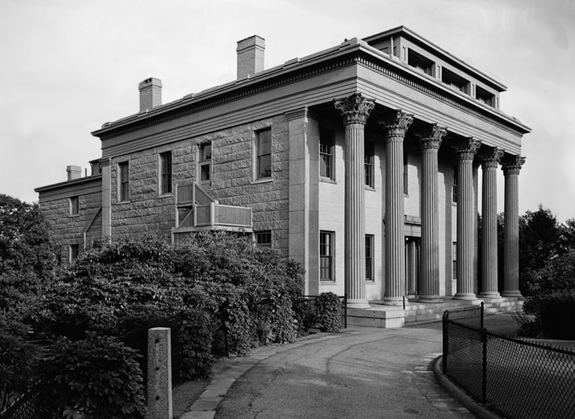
pixel 395 128
pixel 355 110
pixel 489 162
pixel 430 144
pixel 465 219
pixel 511 168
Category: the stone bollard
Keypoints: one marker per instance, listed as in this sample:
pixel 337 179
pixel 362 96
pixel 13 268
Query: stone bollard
pixel 159 373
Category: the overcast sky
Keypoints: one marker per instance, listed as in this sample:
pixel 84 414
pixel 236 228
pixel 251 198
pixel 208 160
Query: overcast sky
pixel 68 66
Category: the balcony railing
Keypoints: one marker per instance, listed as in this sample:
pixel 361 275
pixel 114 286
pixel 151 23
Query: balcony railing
pixel 196 210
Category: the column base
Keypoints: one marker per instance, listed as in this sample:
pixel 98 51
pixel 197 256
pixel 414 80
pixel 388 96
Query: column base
pixel 512 293
pixel 491 295
pixel 362 303
pixel 430 299
pixel 469 296
pixel 394 301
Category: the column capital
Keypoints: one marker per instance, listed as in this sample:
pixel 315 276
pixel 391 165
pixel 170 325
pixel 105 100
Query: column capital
pixel 354 109
pixel 491 158
pixel 397 123
pixel 467 149
pixel 512 165
pixel 432 138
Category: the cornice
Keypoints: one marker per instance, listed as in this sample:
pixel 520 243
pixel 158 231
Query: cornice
pixel 350 53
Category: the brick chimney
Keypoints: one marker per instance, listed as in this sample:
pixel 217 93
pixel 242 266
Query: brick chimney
pixel 150 94
pixel 74 172
pixel 250 56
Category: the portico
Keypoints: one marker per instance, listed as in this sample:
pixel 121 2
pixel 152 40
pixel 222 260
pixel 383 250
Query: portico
pixel 395 125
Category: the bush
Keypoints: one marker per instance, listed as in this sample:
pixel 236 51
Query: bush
pixel 98 377
pixel 557 314
pixel 328 312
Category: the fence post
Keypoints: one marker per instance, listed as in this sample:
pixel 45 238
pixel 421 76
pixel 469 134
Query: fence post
pixel 445 339
pixel 159 373
pixel 482 314
pixel 484 362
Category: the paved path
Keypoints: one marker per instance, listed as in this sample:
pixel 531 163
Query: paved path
pixel 360 373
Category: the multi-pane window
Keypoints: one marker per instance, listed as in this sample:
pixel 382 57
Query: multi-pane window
pixel 264 238
pixel 124 181
pixel 369 257
pixel 204 162
pixel 74 205
pixel 455 181
pixel 369 165
pixel 264 154
pixel 74 251
pixel 326 146
pixel 166 172
pixel 326 253
pixel 454 261
pixel 405 174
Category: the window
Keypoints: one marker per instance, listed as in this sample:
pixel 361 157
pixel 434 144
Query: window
pixel 454 189
pixel 369 165
pixel 454 80
pixel 166 173
pixel 420 62
pixel 264 154
pixel 74 205
pixel 326 145
pixel 484 96
pixel 74 251
pixel 124 181
pixel 264 238
pixel 369 258
pixel 454 261
pixel 326 251
pixel 405 174
pixel 204 162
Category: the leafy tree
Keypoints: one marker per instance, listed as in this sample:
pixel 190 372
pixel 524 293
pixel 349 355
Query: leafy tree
pixel 24 238
pixel 541 238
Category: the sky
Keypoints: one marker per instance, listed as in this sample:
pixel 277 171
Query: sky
pixel 68 66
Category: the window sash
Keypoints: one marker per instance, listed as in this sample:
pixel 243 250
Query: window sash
pixel 369 257
pixel 74 205
pixel 166 170
pixel 368 165
pixel 326 138
pixel 326 247
pixel 124 181
pixel 264 154
pixel 264 239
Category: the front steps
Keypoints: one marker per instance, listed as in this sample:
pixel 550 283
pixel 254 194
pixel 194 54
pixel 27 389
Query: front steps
pixel 379 315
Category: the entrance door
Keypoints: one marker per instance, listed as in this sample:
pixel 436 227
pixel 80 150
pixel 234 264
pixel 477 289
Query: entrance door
pixel 412 254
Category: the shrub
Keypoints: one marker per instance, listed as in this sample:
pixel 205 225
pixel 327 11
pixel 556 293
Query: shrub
pixel 17 364
pixel 557 314
pixel 328 312
pixel 98 377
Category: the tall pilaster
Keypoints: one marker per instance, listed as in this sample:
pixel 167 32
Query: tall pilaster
pixel 511 168
pixel 107 200
pixel 489 162
pixel 430 143
pixel 303 235
pixel 395 128
pixel 355 110
pixel 465 219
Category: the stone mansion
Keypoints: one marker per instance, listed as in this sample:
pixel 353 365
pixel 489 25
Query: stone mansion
pixel 362 162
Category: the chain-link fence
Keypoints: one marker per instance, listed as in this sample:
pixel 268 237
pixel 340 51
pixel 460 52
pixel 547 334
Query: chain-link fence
pixel 515 378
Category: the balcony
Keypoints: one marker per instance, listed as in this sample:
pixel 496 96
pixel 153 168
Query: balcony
pixel 197 211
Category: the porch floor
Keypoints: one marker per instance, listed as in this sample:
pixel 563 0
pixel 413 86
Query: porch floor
pixel 386 316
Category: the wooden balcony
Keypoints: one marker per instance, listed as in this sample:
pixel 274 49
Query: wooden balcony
pixel 197 211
